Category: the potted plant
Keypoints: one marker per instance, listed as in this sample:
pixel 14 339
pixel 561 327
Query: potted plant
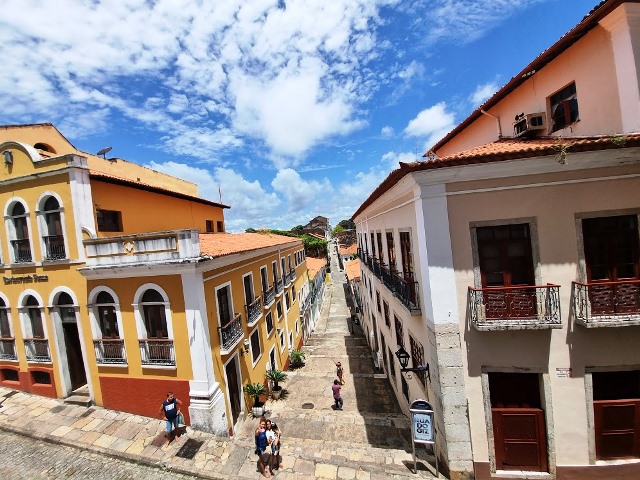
pixel 255 390
pixel 276 376
pixel 297 358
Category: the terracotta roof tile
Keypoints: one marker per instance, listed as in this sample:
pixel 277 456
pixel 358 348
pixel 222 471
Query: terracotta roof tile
pixel 348 250
pixel 352 269
pixel 506 149
pixel 221 244
pixel 314 265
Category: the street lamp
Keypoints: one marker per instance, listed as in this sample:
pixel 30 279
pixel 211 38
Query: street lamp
pixel 403 358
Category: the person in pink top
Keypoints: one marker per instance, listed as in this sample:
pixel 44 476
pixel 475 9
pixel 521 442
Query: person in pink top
pixel 336 394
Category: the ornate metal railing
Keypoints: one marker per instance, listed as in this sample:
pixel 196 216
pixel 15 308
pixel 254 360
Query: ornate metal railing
pixel 537 305
pixel 254 310
pixel 37 349
pixel 8 349
pixel 598 301
pixel 279 286
pixel 268 296
pixel 387 278
pixel 110 351
pixel 293 274
pixel 407 292
pixel 287 279
pixel 21 250
pixel 54 246
pixel 231 332
pixel 157 351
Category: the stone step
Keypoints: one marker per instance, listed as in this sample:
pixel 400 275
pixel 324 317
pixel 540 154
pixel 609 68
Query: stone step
pixel 82 400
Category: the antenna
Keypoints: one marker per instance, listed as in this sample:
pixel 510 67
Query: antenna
pixel 104 152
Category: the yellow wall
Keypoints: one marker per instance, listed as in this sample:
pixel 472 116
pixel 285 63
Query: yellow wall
pixel 144 211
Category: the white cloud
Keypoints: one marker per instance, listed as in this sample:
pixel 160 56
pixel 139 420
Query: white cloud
pixel 433 123
pixel 387 132
pixel 299 193
pixel 467 20
pixel 482 93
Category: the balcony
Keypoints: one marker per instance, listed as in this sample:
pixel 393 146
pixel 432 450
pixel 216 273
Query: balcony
pixel 175 246
pixel 279 287
pixel 406 289
pixel 607 304
pixel 515 308
pixel 268 296
pixel 230 334
pixel 254 310
pixel 8 349
pixel 157 352
pixel 21 251
pixel 110 351
pixel 37 350
pixel 287 279
pixel 54 247
pixel 386 276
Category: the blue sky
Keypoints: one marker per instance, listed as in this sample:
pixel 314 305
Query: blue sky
pixel 295 108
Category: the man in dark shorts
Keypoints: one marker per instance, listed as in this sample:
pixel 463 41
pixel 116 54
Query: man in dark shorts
pixel 170 409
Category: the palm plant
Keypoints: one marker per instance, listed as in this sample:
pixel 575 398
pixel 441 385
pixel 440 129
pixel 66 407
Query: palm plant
pixel 276 376
pixel 254 390
pixel 297 358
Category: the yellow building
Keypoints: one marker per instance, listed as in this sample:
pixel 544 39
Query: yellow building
pixel 98 291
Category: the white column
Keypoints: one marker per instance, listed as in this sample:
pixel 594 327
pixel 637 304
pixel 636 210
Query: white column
pixel 624 26
pixel 207 405
pixel 437 283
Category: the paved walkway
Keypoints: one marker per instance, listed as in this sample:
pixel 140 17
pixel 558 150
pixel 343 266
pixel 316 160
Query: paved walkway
pixel 369 439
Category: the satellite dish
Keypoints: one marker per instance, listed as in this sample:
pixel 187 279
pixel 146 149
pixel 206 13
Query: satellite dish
pixel 104 152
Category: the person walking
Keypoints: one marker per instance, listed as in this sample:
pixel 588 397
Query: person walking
pixel 261 447
pixel 337 397
pixel 170 409
pixel 339 372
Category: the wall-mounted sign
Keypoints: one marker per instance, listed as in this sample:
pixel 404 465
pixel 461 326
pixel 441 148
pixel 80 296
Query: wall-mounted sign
pixel 563 372
pixel 26 279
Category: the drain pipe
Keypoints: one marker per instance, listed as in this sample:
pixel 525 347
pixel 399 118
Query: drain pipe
pixel 497 122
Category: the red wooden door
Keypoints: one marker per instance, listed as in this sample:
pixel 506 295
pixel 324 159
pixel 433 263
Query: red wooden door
pixel 617 425
pixel 520 440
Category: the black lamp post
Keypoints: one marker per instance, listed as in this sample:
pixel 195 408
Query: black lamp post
pixel 403 358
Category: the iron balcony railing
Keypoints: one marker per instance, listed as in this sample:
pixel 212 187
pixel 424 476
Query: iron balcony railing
pixel 406 289
pixel 287 279
pixel 54 246
pixel 279 286
pixel 254 310
pixel 268 296
pixel 157 351
pixel 293 274
pixel 37 350
pixel 231 332
pixel 8 349
pixel 600 301
pixel 21 250
pixel 386 276
pixel 533 305
pixel 110 351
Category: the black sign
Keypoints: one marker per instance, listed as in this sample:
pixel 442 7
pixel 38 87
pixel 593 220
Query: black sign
pixel 26 279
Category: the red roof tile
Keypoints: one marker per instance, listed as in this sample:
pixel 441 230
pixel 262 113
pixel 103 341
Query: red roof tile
pixel 352 269
pixel 505 149
pixel 348 250
pixel 221 244
pixel 314 265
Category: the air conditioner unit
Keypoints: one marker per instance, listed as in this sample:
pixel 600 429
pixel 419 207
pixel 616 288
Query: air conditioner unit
pixel 526 123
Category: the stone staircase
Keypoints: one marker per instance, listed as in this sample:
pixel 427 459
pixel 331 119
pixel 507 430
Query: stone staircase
pixel 79 397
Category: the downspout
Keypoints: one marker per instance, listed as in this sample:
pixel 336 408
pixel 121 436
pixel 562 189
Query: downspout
pixel 497 122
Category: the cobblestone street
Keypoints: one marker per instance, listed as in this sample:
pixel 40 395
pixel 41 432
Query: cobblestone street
pixel 27 458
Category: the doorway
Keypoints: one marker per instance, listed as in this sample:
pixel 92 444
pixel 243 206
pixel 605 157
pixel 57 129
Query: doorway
pixel 519 429
pixel 233 387
pixel 73 349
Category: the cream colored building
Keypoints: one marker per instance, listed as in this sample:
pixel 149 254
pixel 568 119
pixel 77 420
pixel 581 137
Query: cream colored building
pixel 509 261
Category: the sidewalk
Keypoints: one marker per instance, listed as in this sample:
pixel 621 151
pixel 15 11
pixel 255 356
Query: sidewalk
pixel 368 440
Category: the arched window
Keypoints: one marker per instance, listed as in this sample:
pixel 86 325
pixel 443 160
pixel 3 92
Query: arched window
pixel 107 319
pixel 66 308
pixel 155 320
pixel 53 237
pixel 35 317
pixel 20 242
pixel 5 328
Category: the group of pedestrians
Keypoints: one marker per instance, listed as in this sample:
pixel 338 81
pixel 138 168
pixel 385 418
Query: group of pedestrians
pixel 268 441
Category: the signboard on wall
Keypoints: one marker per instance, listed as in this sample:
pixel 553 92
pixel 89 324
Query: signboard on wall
pixel 422 422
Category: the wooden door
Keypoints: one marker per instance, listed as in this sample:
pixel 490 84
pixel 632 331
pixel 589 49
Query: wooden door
pixel 233 386
pixel 519 430
pixel 612 257
pixel 506 261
